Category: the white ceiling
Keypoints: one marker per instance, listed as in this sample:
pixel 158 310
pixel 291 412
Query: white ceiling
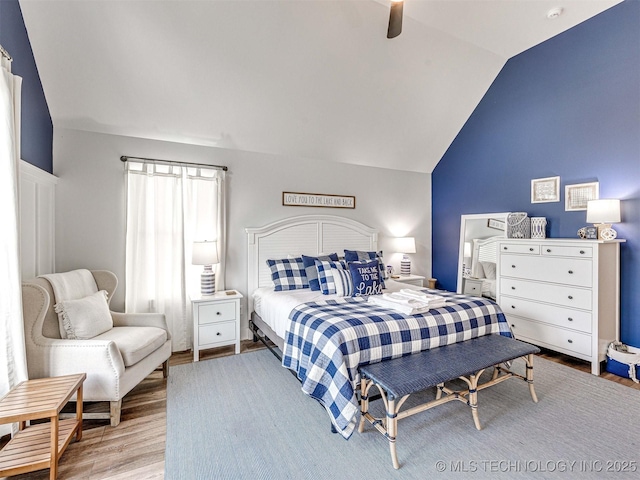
pixel 301 79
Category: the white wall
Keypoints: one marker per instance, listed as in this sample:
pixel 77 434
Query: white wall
pixel 90 200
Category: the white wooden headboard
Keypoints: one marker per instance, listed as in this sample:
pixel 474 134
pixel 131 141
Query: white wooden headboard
pixel 311 235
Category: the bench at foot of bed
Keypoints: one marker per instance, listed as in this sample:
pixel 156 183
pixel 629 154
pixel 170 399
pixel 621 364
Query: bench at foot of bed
pixel 398 378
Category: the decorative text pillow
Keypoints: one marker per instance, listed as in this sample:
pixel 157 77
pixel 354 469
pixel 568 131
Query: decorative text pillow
pixel 311 270
pixel 366 278
pixel 362 256
pixel 85 317
pixel 288 274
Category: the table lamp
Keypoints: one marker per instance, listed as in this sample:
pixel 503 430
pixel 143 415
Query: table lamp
pixel 405 245
pixel 206 253
pixel 602 213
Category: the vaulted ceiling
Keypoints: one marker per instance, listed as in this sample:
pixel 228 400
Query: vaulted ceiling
pixel 310 79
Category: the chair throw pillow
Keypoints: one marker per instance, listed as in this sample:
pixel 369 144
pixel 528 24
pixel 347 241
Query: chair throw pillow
pixel 85 317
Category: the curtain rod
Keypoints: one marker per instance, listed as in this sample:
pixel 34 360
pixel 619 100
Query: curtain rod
pixel 5 53
pixel 124 158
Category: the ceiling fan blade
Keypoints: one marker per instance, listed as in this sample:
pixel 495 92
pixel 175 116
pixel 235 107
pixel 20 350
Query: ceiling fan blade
pixel 395 19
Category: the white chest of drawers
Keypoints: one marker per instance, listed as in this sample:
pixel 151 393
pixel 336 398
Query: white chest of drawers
pixel 562 294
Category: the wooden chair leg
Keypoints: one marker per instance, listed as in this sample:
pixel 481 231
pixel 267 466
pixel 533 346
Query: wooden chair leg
pixel 165 369
pixel 115 408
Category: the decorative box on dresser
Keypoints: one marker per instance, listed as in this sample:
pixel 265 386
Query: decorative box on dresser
pixel 216 321
pixel 562 294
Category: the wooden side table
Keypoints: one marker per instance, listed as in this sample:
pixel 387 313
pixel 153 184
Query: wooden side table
pixel 40 446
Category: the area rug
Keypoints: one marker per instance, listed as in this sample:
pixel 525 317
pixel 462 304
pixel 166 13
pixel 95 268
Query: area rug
pixel 244 416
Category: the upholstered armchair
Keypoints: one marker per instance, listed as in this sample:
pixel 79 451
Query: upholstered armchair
pixel 115 360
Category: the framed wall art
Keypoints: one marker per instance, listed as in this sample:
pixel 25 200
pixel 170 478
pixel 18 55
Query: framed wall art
pixel 544 190
pixel 495 223
pixel 576 196
pixel 297 199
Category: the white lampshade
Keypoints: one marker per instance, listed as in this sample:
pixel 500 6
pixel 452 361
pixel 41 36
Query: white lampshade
pixel 405 245
pixel 467 249
pixel 205 253
pixel 605 210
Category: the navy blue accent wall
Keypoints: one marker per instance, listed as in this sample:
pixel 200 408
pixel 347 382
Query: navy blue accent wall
pixel 37 128
pixel 569 107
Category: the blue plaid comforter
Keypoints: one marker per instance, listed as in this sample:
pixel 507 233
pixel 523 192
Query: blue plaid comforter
pixel 325 342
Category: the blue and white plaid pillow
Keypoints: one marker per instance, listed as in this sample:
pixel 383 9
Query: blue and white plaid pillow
pixel 288 274
pixel 312 271
pixel 325 275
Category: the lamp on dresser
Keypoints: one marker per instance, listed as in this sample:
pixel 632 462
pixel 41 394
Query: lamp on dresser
pixel 405 245
pixel 206 253
pixel 602 213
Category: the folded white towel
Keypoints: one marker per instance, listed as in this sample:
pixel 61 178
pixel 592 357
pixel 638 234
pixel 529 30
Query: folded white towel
pixel 434 301
pixel 394 305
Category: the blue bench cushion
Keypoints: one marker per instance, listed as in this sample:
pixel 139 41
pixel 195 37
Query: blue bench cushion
pixel 419 371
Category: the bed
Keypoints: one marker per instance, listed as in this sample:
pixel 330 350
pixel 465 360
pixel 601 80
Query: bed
pixel 325 338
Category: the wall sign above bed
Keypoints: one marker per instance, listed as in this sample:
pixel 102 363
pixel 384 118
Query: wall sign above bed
pixel 297 199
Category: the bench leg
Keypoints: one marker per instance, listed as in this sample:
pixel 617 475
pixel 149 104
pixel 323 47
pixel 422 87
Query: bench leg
pixel 529 361
pixel 392 429
pixel 472 400
pixel 364 402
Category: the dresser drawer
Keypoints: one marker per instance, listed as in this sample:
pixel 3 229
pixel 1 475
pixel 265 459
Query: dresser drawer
pixel 569 271
pixel 566 251
pixel 217 332
pixel 550 336
pixel 520 248
pixel 216 312
pixel 567 296
pixel 551 314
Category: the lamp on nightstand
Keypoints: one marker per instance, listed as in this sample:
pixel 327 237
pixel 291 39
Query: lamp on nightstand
pixel 405 245
pixel 206 253
pixel 602 213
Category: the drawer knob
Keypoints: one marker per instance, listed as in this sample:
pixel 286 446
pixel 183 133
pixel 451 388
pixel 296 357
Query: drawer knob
pixel 570 319
pixel 504 248
pixel 513 306
pixel 218 334
pixel 570 297
pixel 513 266
pixel 513 288
pixel 581 252
pixel 570 341
pixel 217 313
pixel 570 272
pixel 513 326
pixel 531 249
pixel 548 250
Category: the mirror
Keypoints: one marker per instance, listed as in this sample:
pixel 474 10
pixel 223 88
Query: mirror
pixel 477 250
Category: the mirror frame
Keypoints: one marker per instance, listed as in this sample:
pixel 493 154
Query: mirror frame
pixel 463 225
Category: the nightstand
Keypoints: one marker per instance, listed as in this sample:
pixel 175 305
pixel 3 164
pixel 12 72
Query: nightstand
pixel 410 279
pixel 216 321
pixel 472 286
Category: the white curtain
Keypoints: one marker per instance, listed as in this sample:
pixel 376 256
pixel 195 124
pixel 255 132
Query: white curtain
pixel 168 208
pixel 13 363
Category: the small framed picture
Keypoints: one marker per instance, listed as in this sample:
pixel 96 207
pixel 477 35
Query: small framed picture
pixel 576 196
pixel 545 190
pixel 495 223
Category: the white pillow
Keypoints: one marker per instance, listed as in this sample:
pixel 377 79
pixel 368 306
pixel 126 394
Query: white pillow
pixel 489 269
pixel 86 317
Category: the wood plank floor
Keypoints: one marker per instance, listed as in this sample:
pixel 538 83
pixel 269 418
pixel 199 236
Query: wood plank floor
pixel 135 448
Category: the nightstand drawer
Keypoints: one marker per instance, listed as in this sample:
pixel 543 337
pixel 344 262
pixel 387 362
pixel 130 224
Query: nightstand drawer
pixel 217 332
pixel 216 312
pixel 472 287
